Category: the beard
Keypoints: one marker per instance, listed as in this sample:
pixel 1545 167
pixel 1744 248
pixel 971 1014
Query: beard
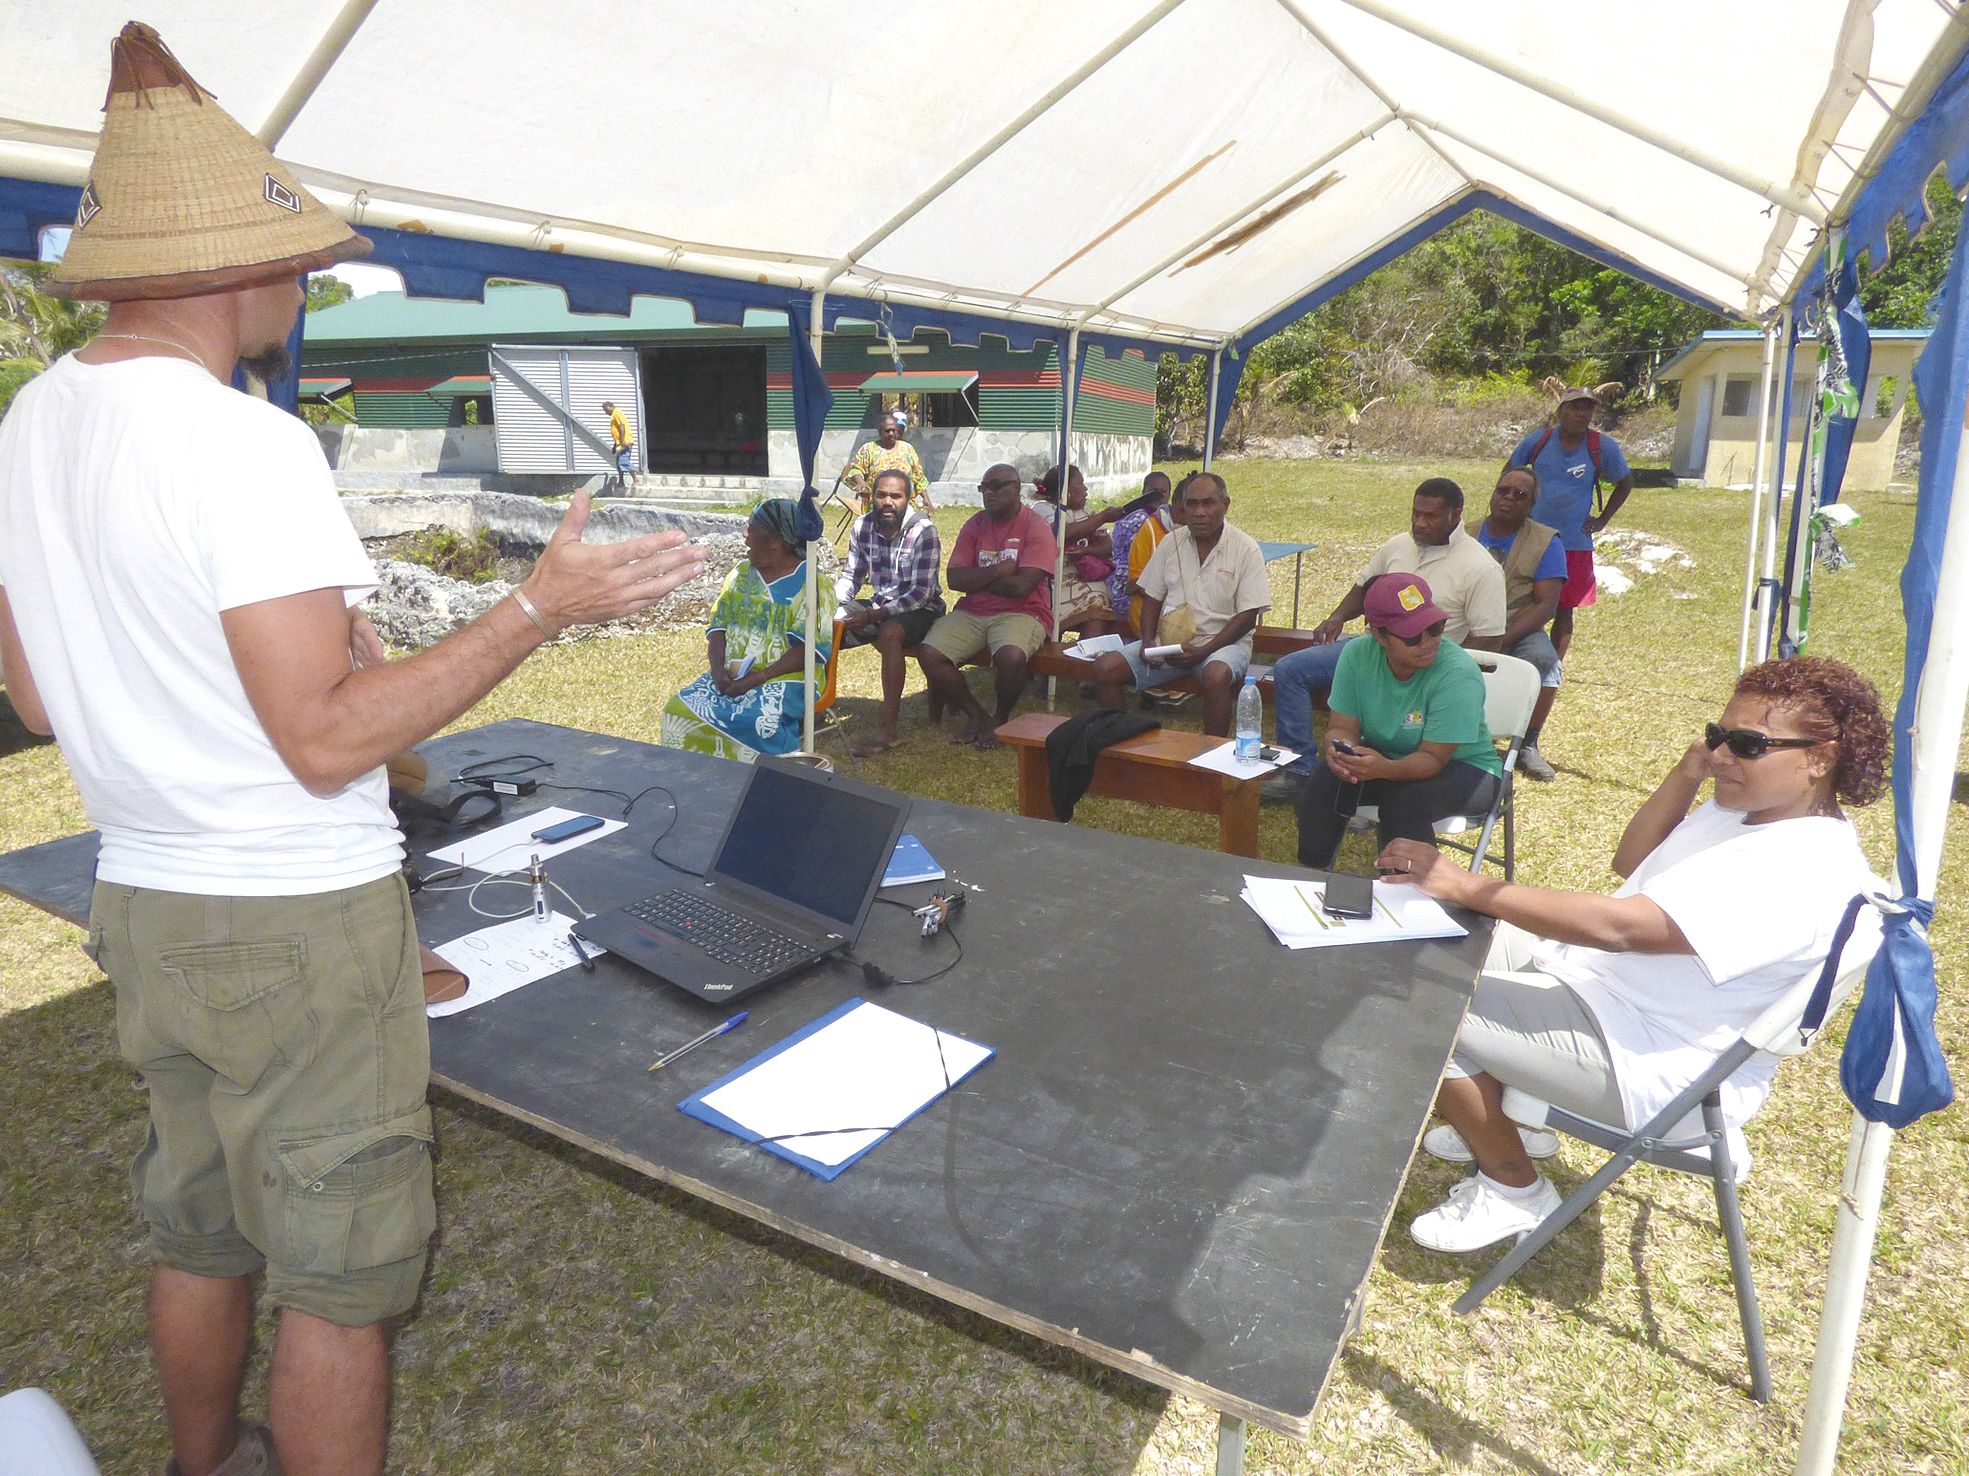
pixel 269 365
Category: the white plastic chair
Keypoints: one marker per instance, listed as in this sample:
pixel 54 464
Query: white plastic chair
pixel 36 1436
pixel 1510 693
pixel 1779 1031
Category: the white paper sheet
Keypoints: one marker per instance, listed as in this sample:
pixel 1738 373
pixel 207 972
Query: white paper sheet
pixel 1092 646
pixel 1224 760
pixel 1294 912
pixel 511 845
pixel 871 1068
pixel 499 959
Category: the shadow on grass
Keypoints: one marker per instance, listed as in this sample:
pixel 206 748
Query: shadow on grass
pixel 1453 1435
pixel 14 736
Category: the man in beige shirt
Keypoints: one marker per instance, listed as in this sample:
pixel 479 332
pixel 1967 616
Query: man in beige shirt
pixel 1202 592
pixel 1464 580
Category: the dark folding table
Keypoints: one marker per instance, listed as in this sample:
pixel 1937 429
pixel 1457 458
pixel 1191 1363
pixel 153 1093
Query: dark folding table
pixel 1180 1163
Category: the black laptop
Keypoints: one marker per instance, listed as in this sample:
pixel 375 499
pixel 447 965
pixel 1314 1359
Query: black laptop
pixel 792 881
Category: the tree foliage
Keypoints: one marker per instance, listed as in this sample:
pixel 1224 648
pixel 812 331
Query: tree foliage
pixel 325 291
pixel 36 326
pixel 1902 293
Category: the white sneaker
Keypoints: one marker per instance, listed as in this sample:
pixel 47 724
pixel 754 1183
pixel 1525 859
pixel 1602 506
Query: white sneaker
pixel 1446 1143
pixel 1476 1215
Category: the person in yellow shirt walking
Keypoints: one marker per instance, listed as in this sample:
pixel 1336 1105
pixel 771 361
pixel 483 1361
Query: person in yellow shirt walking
pixel 887 452
pixel 625 447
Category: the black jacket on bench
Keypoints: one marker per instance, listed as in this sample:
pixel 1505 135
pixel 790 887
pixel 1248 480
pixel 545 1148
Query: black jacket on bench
pixel 1072 748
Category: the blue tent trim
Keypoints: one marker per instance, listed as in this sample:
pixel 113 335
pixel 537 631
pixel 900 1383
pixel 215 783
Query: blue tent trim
pixel 1239 349
pixel 1939 138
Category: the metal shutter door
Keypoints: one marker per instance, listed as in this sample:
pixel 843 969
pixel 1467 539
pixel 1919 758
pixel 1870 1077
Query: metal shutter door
pixel 595 375
pixel 529 420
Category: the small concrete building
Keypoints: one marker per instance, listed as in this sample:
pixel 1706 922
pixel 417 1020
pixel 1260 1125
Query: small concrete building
pixel 513 386
pixel 1716 424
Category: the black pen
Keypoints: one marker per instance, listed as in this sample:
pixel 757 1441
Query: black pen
pixel 587 963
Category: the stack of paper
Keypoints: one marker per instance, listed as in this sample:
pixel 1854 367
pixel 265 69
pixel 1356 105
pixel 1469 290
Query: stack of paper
pixel 499 959
pixel 827 1094
pixel 1092 646
pixel 1224 760
pixel 1296 914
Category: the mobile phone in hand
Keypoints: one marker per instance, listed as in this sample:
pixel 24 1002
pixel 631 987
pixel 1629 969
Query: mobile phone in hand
pixel 1341 745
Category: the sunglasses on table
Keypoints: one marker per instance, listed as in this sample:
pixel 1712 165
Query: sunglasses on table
pixel 1748 743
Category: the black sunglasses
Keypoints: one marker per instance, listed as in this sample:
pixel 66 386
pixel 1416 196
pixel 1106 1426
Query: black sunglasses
pixel 1748 743
pixel 1001 482
pixel 1423 634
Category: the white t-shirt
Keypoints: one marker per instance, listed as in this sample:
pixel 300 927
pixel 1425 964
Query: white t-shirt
pixel 1759 904
pixel 1226 584
pixel 137 501
pixel 1464 580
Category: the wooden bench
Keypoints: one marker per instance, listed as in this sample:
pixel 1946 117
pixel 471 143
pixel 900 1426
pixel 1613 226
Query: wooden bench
pixel 1151 769
pixel 1051 660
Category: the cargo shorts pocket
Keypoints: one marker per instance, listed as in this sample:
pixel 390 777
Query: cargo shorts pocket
pixel 358 1199
pixel 254 1015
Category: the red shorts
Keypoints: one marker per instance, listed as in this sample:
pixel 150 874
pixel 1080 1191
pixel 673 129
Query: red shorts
pixel 1581 586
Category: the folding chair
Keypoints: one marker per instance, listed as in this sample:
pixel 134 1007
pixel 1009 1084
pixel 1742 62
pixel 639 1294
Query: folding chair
pixel 1510 693
pixel 1779 1031
pixel 826 720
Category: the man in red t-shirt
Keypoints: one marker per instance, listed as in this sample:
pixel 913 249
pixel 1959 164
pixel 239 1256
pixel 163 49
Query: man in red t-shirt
pixel 1002 565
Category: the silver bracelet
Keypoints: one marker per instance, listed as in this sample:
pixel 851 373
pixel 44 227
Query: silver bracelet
pixel 519 598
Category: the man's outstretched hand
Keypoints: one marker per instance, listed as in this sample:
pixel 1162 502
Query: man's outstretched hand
pixel 576 583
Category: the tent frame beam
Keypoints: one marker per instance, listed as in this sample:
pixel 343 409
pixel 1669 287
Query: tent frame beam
pixel 1758 286
pixel 991 146
pixel 1786 197
pixel 327 51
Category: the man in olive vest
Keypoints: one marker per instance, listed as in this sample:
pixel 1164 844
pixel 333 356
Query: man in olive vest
pixel 1534 562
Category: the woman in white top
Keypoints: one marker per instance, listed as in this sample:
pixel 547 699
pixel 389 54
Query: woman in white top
pixel 1608 1006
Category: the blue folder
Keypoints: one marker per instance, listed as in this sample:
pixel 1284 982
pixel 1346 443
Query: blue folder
pixel 693 1105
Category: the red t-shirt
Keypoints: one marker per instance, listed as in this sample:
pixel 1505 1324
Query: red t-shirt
pixel 1025 543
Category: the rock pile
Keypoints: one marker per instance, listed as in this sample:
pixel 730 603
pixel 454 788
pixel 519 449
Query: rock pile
pixel 415 607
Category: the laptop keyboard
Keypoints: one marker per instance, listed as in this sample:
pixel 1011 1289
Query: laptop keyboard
pixel 728 936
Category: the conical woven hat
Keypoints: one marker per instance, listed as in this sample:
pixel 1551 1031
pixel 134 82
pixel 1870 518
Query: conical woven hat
pixel 181 200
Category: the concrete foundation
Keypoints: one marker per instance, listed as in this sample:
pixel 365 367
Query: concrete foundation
pixel 522 524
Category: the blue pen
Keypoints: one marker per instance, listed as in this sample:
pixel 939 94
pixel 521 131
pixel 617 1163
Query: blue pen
pixel 690 1045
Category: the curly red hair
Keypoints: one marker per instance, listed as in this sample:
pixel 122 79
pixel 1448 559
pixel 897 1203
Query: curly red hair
pixel 1831 701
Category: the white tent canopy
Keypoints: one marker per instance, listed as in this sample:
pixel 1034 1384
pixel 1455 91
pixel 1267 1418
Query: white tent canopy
pixel 1182 171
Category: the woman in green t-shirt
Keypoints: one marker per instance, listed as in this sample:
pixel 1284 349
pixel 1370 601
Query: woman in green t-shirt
pixel 1407 729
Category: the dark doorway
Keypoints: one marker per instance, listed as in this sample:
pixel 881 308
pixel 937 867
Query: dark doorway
pixel 704 410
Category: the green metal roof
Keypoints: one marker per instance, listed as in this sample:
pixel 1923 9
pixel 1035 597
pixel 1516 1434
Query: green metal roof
pixel 509 313
pixel 924 382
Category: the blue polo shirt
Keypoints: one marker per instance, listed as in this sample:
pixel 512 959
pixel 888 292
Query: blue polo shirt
pixel 1551 563
pixel 1565 482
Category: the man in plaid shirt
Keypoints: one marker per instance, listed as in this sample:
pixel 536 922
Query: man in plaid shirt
pixel 895 551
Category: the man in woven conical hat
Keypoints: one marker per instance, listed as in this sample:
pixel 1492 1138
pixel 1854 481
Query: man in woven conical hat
pixel 178 606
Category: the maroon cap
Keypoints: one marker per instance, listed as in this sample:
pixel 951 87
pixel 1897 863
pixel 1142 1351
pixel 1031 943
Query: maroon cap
pixel 1400 604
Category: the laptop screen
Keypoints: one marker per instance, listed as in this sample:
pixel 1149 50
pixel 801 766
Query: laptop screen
pixel 809 842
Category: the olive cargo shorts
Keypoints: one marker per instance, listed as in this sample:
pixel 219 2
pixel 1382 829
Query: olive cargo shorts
pixel 284 1045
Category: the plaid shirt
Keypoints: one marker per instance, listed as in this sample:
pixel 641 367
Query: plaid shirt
pixel 901 572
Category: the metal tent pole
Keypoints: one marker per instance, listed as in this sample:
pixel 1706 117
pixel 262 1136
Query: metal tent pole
pixel 1210 410
pixel 1757 491
pixel 1069 387
pixel 1938 711
pixel 814 339
pixel 1774 507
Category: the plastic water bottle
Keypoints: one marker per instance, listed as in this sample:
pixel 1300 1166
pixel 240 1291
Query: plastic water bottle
pixel 1250 725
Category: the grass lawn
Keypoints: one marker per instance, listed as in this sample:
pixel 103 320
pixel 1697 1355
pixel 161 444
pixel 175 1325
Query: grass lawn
pixel 578 1318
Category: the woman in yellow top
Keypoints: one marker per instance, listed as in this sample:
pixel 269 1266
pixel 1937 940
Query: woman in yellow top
pixel 888 452
pixel 1157 526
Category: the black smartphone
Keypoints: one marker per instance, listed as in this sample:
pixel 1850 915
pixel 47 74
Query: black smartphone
pixel 1341 745
pixel 579 825
pixel 1349 896
pixel 1267 752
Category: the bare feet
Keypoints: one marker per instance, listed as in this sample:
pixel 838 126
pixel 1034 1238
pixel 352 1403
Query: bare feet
pixel 880 743
pixel 978 735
